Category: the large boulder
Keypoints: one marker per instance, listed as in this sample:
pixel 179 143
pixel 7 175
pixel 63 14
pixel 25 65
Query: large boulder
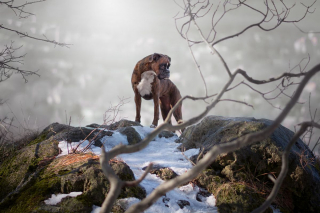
pixel 32 174
pixel 239 179
pixel 133 136
pixel 74 134
pixel 123 123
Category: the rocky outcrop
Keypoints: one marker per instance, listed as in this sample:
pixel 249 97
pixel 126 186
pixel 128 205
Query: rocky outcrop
pixel 33 173
pixel 61 132
pixel 240 179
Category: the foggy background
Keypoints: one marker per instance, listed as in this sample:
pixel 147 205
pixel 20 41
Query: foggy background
pixel 109 37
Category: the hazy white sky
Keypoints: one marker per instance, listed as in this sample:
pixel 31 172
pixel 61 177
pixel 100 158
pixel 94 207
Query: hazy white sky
pixel 109 37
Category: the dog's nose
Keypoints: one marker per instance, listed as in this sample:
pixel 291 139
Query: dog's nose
pixel 167 70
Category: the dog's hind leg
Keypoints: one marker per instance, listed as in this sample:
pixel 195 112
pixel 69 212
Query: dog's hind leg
pixel 178 112
pixel 165 107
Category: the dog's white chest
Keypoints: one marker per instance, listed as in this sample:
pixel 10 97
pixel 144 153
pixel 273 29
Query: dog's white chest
pixel 144 87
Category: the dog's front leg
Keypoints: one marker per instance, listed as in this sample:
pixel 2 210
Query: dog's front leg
pixel 137 100
pixel 156 111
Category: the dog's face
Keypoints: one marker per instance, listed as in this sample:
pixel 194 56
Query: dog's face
pixel 160 64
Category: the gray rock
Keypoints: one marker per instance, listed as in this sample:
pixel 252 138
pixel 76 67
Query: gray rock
pixel 166 134
pixel 74 134
pixel 133 136
pixel 248 166
pixel 123 123
pixel 183 203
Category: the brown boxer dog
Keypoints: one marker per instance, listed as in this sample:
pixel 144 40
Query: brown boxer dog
pixel 150 81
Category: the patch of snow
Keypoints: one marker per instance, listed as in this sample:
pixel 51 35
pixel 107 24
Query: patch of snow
pixel 63 145
pixel 164 152
pixel 191 152
pixel 111 141
pixel 143 130
pixel 55 199
pixel 95 209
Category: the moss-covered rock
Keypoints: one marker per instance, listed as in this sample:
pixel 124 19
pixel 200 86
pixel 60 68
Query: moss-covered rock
pixel 40 138
pixel 121 205
pixel 237 197
pixel 34 173
pixel 209 180
pixel 133 136
pixel 75 204
pixel 250 165
pixel 123 123
pixel 16 169
pixel 164 173
pixel 39 188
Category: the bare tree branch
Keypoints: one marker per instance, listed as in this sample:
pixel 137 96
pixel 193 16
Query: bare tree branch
pixel 19 10
pixel 45 39
pixel 9 60
pixel 116 184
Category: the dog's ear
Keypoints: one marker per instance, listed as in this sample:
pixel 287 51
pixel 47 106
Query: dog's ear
pixel 169 58
pixel 154 57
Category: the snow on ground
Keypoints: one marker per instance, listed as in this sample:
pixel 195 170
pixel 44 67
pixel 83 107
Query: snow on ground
pixel 163 152
pixel 55 199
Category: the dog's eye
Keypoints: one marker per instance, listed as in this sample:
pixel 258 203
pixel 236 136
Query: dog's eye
pixel 168 65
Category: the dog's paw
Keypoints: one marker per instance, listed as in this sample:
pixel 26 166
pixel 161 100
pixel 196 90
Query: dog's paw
pixel 153 126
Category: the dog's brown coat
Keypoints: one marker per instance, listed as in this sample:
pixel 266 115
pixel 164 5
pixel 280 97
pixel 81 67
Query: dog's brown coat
pixel 162 90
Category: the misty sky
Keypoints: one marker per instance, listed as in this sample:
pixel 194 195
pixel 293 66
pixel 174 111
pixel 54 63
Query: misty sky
pixel 107 38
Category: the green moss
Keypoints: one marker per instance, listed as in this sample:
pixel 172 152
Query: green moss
pixel 33 164
pixel 164 173
pixel 76 205
pixel 85 199
pixel 63 172
pixel 13 170
pixel 134 191
pixel 248 127
pixel 117 209
pixel 217 179
pixel 237 198
pixel 208 180
pixel 39 139
pixel 33 193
